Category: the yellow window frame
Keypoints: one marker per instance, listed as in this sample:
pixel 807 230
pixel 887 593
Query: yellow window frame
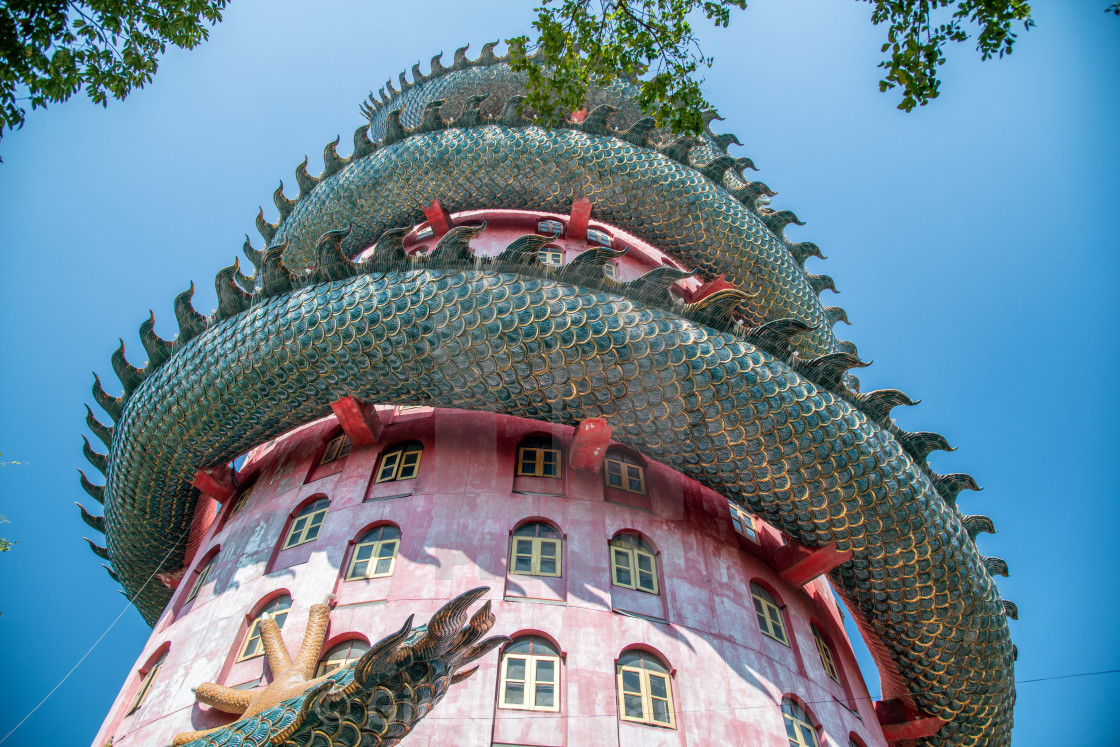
pixel 145 686
pixel 535 554
pixel 625 471
pixel 799 727
pixel 770 619
pixel 825 652
pixel 531 462
pixel 399 464
pixel 645 691
pixel 200 580
pixel 337 448
pixel 743 522
pixel 329 666
pixel 553 257
pixel 530 683
pixel 373 559
pixel 305 528
pixel 254 646
pixel 630 559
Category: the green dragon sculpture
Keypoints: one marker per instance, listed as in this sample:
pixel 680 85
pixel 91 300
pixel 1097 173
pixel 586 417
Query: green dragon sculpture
pixel 747 390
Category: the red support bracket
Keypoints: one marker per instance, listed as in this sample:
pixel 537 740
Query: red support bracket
pixel 173 579
pixel 578 219
pixel 799 564
pixel 707 289
pixel 358 420
pixel 899 721
pixel 589 446
pixel 438 218
pixel 216 482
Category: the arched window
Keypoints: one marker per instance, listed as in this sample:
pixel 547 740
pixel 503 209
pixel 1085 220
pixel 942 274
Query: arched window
pixel 305 525
pixel 825 652
pixel 769 614
pixel 633 564
pixel 253 645
pixel 595 236
pixel 535 550
pixel 530 675
pixel 550 227
pixel 625 472
pixel 337 448
pixel 551 255
pixel 145 685
pixel 539 457
pixel 644 690
pixel 799 725
pixel 401 462
pixel 342 655
pixel 201 575
pixel 375 553
pixel 744 522
pixel 241 501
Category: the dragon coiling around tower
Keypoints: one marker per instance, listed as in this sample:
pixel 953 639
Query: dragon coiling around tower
pixel 746 390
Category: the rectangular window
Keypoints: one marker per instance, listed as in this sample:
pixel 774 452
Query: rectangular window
pixel 536 462
pixel 633 569
pixel 536 556
pixel 550 227
pixel 646 697
pixel 530 682
pixel 826 657
pixel 628 477
pixel 145 685
pixel 770 620
pixel 399 465
pixel 305 528
pixel 595 236
pixel 337 448
pixel 743 522
pixel 200 580
pixel 373 559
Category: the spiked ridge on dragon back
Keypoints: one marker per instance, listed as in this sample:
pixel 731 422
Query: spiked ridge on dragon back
pixel 747 391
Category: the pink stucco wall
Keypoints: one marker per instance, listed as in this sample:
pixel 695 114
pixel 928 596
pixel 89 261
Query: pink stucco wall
pixel 455 520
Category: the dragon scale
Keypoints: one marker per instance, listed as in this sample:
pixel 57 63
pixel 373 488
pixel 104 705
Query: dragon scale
pixel 771 425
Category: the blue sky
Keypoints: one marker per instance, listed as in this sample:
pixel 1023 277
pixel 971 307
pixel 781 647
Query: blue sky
pixel 974 243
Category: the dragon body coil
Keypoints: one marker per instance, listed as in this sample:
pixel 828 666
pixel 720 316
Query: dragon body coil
pixel 746 392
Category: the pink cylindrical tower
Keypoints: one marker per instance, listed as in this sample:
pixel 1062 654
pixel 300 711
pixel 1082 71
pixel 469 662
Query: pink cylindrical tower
pixel 570 384
pixel 642 608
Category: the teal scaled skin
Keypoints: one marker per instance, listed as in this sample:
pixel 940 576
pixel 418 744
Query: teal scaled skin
pixel 706 403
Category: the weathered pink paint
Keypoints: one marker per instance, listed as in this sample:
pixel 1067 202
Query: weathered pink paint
pixel 456 518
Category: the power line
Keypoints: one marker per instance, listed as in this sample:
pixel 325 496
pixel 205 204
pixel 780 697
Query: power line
pixel 91 648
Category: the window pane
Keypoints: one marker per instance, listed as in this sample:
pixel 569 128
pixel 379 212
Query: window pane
pixel 388 549
pixel 544 696
pixel 384 565
pixel 660 711
pixel 631 682
pixel 515 668
pixel 632 705
pixel 646 581
pixel 358 570
pixel 809 736
pixel 544 530
pixel 549 548
pixel 409 464
pixel 658 686
pixel 622 572
pixel 515 693
pixel 546 671
pixel 548 566
pixel 364 552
